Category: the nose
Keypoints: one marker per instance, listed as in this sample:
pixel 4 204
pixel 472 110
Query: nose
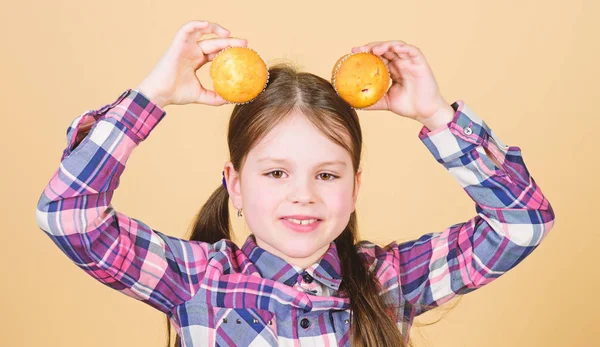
pixel 302 190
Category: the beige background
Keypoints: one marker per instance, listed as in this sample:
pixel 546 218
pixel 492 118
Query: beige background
pixel 529 68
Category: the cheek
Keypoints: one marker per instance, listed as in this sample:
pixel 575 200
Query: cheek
pixel 339 201
pixel 261 198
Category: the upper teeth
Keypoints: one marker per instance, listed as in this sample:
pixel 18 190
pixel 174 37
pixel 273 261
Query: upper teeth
pixel 303 222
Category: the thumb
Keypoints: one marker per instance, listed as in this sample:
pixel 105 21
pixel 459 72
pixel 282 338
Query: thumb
pixel 210 97
pixel 381 104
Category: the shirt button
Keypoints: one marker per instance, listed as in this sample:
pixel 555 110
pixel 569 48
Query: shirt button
pixel 305 323
pixel 468 130
pixel 307 278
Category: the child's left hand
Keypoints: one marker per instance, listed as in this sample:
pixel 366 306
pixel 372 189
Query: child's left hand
pixel 414 92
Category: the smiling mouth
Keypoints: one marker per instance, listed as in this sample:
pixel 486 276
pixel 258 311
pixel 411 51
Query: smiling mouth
pixel 302 221
pixel 301 226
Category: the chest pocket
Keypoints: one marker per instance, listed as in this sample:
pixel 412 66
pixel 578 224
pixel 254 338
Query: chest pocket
pixel 244 327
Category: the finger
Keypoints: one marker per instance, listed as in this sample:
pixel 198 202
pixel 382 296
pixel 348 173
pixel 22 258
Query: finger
pixel 398 55
pixel 399 61
pixel 214 28
pixel 210 97
pixel 390 57
pixel 394 67
pixel 212 56
pixel 381 104
pixel 366 47
pixel 215 45
pixel 194 25
pixel 199 28
pixel 369 47
pixel 408 52
pixel 386 60
pixel 387 47
pixel 387 56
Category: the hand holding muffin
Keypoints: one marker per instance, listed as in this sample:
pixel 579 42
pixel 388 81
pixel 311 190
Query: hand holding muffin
pixel 414 92
pixel 173 80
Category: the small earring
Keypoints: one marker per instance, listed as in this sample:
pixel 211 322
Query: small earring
pixel 239 212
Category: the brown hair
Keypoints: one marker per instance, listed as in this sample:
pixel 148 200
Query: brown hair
pixel 314 97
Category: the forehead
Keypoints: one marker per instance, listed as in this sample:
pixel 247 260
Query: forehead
pixel 297 138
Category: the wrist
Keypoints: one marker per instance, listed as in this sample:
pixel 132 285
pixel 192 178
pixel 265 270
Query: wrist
pixel 152 95
pixel 439 119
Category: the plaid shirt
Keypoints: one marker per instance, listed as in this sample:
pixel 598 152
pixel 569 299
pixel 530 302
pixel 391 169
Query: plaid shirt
pixel 222 295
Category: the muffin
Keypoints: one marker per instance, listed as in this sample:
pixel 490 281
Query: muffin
pixel 361 79
pixel 239 74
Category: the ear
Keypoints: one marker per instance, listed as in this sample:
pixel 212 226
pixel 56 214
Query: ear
pixel 356 186
pixel 232 179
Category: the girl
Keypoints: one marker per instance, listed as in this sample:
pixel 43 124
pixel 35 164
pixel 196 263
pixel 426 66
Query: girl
pixel 301 278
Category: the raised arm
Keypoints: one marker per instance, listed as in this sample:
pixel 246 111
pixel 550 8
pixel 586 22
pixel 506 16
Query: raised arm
pixel 513 216
pixel 75 208
pixel 76 212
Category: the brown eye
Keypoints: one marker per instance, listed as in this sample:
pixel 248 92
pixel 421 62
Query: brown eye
pixel 327 175
pixel 273 172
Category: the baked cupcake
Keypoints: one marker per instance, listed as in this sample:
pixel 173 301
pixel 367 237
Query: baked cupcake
pixel 239 74
pixel 361 79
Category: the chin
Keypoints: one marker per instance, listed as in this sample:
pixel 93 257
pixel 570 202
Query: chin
pixel 301 246
pixel 298 250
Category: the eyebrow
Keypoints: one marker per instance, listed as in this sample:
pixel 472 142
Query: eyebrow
pixel 283 161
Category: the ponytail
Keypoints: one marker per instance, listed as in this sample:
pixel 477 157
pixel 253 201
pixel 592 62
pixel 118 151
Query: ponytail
pixel 212 222
pixel 210 225
pixel 370 325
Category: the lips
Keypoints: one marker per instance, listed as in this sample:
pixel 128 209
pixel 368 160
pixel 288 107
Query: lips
pixel 301 217
pixel 292 224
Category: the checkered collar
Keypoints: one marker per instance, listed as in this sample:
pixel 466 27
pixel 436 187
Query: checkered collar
pixel 326 271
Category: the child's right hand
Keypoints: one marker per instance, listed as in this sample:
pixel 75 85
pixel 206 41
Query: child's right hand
pixel 174 80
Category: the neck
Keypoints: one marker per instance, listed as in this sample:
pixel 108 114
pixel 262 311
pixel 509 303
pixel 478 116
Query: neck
pixel 300 262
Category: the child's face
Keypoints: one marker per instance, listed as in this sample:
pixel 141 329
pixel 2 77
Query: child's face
pixel 298 186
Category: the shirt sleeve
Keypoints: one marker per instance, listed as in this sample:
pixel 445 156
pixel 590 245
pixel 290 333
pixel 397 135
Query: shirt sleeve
pixel 513 216
pixel 76 212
